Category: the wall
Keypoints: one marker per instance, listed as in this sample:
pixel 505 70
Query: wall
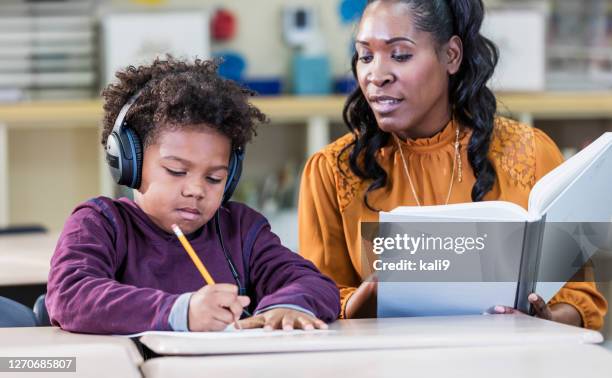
pixel 50 172
pixel 259 35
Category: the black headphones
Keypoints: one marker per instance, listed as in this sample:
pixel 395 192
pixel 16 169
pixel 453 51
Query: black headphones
pixel 124 155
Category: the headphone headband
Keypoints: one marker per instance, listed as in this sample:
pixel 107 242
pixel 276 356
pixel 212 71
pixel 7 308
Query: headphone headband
pixel 124 110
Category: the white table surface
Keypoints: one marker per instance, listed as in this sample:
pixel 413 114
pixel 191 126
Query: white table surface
pixel 24 259
pixel 96 356
pixel 511 361
pixel 391 333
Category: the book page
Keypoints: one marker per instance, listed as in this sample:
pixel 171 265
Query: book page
pixel 578 224
pixel 587 197
pixel 572 197
pixel 486 211
pixel 549 187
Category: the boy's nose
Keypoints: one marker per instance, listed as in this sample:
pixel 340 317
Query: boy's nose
pixel 194 189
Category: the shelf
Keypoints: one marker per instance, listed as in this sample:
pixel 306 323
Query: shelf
pixel 558 105
pixel 544 105
pixel 68 114
pixel 314 113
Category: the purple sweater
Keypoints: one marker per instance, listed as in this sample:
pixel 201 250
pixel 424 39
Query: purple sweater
pixel 115 272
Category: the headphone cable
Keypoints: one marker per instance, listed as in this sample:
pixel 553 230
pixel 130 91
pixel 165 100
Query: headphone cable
pixel 241 289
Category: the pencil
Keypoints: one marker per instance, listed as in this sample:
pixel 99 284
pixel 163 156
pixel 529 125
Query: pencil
pixel 196 260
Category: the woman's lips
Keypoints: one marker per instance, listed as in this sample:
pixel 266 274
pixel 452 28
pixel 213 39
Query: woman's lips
pixel 189 214
pixel 384 104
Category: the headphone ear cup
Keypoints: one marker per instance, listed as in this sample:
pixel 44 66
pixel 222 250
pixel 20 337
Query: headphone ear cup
pixel 124 150
pixel 137 174
pixel 234 175
pixel 113 157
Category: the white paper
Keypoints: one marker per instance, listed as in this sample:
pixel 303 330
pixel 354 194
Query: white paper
pixel 230 333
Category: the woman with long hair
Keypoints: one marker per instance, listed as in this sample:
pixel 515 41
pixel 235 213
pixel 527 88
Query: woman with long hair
pixel 423 131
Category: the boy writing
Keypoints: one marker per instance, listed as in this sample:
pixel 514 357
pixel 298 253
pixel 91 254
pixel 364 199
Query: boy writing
pixel 174 131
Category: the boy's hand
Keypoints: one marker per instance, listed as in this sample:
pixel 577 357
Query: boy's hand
pixel 560 312
pixel 213 307
pixel 282 318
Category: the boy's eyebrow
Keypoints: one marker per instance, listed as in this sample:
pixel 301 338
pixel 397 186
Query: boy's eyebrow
pixel 188 163
pixel 219 167
pixel 180 160
pixel 388 41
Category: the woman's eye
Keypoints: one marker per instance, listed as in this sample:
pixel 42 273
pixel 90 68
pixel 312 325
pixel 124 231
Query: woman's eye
pixel 401 57
pixel 175 173
pixel 365 58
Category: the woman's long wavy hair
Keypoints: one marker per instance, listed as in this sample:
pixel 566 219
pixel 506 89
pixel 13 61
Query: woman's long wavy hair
pixel 473 104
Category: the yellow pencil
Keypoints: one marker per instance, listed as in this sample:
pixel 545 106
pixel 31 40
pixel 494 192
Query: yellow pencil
pixel 196 260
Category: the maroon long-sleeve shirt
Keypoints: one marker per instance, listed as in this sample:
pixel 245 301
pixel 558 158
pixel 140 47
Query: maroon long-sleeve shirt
pixel 115 271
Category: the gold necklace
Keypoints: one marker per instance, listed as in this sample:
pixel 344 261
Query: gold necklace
pixel 456 159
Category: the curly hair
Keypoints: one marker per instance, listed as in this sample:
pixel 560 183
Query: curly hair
pixel 472 102
pixel 174 94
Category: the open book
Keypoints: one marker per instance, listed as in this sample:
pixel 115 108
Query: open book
pixel 575 195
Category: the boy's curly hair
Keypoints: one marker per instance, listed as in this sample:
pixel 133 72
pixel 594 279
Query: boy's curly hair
pixel 175 94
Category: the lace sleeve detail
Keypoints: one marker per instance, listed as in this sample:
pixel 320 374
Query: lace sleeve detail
pixel 347 183
pixel 512 152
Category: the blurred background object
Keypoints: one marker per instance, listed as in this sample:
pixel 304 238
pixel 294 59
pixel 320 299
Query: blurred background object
pixel 137 37
pixel 519 31
pixel 48 50
pixel 310 63
pixel 580 38
pixel 223 25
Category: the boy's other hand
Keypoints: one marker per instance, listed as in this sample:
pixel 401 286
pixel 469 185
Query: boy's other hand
pixel 213 307
pixel 283 318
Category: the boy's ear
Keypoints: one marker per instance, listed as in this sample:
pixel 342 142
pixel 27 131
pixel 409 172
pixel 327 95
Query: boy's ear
pixel 453 53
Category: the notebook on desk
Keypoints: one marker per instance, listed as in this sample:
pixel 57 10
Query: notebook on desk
pixel 229 334
pixel 567 221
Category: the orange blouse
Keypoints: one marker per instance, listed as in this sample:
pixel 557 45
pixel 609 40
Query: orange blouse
pixel 331 204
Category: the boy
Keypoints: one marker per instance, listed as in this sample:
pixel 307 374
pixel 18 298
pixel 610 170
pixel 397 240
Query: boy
pixel 174 131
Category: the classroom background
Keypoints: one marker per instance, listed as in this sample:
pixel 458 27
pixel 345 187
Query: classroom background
pixel 555 73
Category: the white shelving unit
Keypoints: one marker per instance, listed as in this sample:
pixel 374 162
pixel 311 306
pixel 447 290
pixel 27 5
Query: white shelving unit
pixel 316 114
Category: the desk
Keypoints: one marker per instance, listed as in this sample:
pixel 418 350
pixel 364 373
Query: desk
pixel 535 361
pixel 24 259
pixel 371 334
pixel 96 356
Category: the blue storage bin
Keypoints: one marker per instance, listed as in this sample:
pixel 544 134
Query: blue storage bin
pixel 311 75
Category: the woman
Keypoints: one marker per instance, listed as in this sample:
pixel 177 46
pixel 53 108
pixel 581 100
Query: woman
pixel 424 131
